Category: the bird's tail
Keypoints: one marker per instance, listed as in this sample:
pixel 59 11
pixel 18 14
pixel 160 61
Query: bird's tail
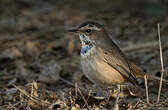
pixel 140 74
pixel 151 77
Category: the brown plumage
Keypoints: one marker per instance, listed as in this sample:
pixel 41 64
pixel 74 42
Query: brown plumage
pixel 140 74
pixel 102 60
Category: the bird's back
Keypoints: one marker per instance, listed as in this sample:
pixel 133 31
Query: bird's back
pixel 114 57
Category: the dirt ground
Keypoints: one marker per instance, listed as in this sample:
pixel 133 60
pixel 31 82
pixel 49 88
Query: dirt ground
pixel 40 61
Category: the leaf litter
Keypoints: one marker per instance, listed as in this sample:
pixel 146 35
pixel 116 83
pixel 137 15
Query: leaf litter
pixel 40 61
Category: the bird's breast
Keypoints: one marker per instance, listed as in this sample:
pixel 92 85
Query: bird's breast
pixel 87 50
pixel 98 71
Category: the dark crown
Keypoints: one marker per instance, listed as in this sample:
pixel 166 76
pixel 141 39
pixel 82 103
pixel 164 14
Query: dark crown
pixel 90 23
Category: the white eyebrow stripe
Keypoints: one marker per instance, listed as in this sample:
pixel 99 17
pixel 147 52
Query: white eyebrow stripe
pixel 94 28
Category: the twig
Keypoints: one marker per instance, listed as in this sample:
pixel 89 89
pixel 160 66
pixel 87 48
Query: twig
pixel 116 106
pixel 108 98
pixel 83 98
pixel 78 89
pixel 143 47
pixel 146 87
pixel 12 106
pixel 87 98
pixel 161 60
pixel 140 47
pixel 34 98
pixel 72 84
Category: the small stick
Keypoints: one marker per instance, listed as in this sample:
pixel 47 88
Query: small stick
pixel 73 85
pixel 87 99
pixel 76 90
pixel 140 47
pixel 146 87
pixel 161 60
pixel 83 99
pixel 116 106
pixel 10 107
pixel 34 98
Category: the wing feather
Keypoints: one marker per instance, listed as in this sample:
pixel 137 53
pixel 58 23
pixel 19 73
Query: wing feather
pixel 117 60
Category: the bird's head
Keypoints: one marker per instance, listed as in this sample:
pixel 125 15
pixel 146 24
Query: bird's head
pixel 89 32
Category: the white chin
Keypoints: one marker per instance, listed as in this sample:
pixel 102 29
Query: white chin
pixel 82 37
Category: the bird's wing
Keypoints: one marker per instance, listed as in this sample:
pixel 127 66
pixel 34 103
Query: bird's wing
pixel 117 60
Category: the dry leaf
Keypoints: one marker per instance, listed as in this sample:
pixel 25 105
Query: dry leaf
pixel 11 53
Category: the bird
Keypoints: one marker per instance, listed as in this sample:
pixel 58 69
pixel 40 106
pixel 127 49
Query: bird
pixel 102 61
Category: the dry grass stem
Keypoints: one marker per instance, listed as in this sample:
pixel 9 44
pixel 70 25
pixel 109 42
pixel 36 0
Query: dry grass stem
pixel 146 88
pixel 76 89
pixel 10 107
pixel 83 99
pixel 140 47
pixel 116 106
pixel 161 60
pixel 73 85
pixel 87 99
pixel 143 47
pixel 31 97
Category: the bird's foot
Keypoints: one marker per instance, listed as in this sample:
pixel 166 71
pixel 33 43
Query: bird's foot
pixel 99 94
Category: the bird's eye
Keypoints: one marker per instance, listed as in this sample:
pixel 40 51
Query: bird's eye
pixel 88 30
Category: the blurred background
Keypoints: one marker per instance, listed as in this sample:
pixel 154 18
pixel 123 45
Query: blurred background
pixel 35 44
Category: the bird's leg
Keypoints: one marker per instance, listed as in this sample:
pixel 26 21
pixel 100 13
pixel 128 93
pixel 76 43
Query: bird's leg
pixel 116 107
pixel 99 94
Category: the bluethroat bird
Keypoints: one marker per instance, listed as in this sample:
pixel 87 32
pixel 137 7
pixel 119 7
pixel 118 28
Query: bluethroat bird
pixel 102 60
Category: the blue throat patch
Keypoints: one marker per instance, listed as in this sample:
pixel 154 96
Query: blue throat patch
pixel 85 49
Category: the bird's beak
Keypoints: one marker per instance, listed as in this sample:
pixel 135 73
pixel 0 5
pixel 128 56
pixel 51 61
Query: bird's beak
pixel 74 30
